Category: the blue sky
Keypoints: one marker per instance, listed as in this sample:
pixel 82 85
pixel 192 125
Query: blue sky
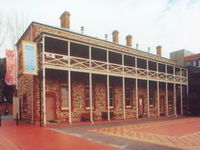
pixel 174 24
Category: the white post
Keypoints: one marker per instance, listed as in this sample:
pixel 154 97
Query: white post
pixel 148 98
pixel 136 96
pixel 175 111
pixel 90 86
pixel 91 105
pixel 108 96
pixel 136 89
pixel 158 98
pixel 166 96
pixel 69 85
pixel 69 96
pixel 166 92
pixel 148 111
pixel 123 87
pixel 181 96
pixel 44 81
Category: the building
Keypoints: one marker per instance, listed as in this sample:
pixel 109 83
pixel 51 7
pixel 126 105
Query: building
pixel 192 63
pixel 89 79
pixel 179 55
pixel 192 60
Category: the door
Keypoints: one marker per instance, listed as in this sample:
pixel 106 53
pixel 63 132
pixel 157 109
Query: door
pixel 50 108
pixel 141 105
pixel 162 104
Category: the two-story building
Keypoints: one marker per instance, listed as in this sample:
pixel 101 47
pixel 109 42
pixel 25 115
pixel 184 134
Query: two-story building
pixel 85 78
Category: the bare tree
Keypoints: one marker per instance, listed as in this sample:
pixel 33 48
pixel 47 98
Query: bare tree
pixel 16 27
pixel 3 31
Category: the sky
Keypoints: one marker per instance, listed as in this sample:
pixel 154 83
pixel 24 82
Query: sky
pixel 173 24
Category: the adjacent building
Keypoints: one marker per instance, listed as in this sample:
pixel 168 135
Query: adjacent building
pixel 82 78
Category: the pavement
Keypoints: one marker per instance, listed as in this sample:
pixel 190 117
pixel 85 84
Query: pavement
pixel 30 137
pixel 141 134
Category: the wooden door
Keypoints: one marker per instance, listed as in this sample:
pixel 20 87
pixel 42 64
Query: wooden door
pixel 141 105
pixel 50 108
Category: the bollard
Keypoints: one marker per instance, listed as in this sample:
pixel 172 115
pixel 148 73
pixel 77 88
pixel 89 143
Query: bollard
pixel 0 119
pixel 17 119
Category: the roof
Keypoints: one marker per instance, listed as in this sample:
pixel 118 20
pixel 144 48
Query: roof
pixel 150 55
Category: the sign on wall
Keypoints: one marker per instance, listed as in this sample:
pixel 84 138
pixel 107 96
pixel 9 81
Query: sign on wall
pixel 29 57
pixel 10 77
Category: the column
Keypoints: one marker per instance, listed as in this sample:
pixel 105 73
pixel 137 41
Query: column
pixel 108 96
pixel 90 87
pixel 124 107
pixel 158 98
pixel 69 86
pixel 44 80
pixel 91 104
pixel 136 96
pixel 148 112
pixel 181 96
pixel 69 96
pixel 136 89
pixel 44 93
pixel 148 98
pixel 175 111
pixel 123 88
pixel 166 97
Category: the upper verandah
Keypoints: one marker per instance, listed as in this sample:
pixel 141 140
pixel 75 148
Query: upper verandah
pixel 64 33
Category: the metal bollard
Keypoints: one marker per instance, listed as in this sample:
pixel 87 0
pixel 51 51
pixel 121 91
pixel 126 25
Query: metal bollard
pixel 17 119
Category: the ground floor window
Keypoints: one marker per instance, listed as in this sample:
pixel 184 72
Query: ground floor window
pixel 87 97
pixel 152 96
pixel 128 97
pixel 111 99
pixel 64 97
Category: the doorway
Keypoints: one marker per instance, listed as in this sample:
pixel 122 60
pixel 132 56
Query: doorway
pixel 162 105
pixel 141 106
pixel 50 108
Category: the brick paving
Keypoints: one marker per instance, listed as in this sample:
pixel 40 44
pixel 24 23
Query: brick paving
pixel 183 134
pixel 29 137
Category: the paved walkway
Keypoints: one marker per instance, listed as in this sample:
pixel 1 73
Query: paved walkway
pixel 149 134
pixel 29 137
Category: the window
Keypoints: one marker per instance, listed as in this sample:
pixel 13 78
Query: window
pixel 111 99
pixel 170 100
pixel 151 96
pixel 87 96
pixel 64 97
pixel 127 97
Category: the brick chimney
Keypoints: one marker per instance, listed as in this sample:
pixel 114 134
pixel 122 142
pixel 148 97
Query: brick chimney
pixel 65 20
pixel 159 50
pixel 115 35
pixel 129 40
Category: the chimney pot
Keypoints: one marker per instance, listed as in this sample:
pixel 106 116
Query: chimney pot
pixel 65 20
pixel 129 40
pixel 159 50
pixel 115 35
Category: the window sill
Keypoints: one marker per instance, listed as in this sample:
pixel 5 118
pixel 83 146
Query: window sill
pixel 88 108
pixel 128 106
pixel 65 108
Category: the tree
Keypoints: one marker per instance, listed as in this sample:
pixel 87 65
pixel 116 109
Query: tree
pixel 3 31
pixel 16 26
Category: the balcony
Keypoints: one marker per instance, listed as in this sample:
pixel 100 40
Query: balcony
pixel 65 62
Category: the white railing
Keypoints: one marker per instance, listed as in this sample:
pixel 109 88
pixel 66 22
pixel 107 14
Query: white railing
pixel 95 65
